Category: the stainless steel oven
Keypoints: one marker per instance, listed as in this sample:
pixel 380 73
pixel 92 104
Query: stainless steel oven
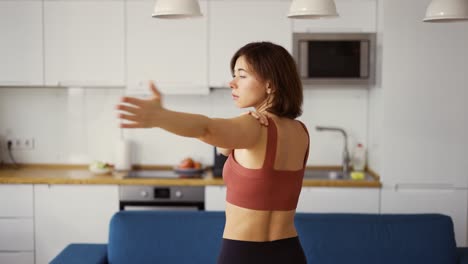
pixel 152 197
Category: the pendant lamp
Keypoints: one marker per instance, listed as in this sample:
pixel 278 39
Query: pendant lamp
pixel 310 9
pixel 176 9
pixel 447 11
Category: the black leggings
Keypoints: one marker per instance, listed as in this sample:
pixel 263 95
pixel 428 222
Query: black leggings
pixel 283 251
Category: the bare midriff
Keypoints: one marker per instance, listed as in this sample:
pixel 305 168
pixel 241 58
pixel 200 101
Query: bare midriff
pixel 256 225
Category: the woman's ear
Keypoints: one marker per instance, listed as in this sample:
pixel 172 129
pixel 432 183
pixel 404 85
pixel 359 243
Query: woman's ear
pixel 269 90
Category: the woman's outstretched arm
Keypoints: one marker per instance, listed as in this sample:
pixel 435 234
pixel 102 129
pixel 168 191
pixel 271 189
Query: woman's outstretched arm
pixel 235 133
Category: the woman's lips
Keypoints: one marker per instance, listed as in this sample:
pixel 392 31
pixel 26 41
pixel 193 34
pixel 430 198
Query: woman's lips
pixel 235 97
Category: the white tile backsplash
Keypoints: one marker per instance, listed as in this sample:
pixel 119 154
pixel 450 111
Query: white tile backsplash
pixel 37 113
pixel 346 108
pixel 74 125
pixel 102 129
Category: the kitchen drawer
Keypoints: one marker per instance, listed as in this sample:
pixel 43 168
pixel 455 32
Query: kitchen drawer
pixel 16 235
pixel 17 257
pixel 339 200
pixel 16 200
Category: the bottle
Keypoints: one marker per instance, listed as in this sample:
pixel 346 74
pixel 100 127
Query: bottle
pixel 358 159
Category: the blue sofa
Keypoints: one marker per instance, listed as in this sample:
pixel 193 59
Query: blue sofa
pixel 195 237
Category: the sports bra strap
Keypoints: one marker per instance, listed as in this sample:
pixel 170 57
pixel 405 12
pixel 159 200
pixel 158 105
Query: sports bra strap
pixel 270 154
pixel 308 142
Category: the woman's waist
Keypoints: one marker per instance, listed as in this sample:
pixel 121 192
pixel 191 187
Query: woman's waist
pixel 257 233
pixel 253 225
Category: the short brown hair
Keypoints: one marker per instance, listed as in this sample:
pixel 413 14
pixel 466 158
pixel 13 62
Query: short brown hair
pixel 273 63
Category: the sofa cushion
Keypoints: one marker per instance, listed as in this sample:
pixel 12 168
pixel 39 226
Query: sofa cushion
pixel 382 239
pixel 165 237
pixel 82 253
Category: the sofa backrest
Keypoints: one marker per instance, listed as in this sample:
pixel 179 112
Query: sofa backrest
pixel 159 237
pixel 379 239
pixel 195 237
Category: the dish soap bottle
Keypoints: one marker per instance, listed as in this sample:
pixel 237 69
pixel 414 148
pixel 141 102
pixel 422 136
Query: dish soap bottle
pixel 358 161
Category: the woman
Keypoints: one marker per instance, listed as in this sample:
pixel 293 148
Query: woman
pixel 264 171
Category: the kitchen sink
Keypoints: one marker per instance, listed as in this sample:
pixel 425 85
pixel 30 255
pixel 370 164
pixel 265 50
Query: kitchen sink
pixel 331 175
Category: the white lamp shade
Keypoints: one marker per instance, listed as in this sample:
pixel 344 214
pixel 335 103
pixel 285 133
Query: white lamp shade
pixel 176 9
pixel 310 9
pixel 447 11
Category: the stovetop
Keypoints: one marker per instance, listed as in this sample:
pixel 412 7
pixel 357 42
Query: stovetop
pixel 163 174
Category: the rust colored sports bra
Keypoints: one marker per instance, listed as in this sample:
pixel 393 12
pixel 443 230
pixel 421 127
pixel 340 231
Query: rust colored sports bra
pixel 265 188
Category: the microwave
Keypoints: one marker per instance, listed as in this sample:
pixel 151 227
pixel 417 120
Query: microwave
pixel 335 58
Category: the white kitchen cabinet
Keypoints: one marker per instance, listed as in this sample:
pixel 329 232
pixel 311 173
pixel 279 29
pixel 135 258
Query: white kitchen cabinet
pixel 84 43
pixel 354 16
pixel 449 201
pixel 236 23
pixel 21 44
pixel 16 224
pixel 16 234
pixel 339 200
pixel 171 52
pixel 16 201
pixel 431 156
pixel 215 198
pixel 17 257
pixel 71 214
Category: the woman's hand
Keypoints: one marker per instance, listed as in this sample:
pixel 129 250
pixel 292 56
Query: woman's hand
pixel 141 113
pixel 261 117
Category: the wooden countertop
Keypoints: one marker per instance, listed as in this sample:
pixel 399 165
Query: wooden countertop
pixel 79 174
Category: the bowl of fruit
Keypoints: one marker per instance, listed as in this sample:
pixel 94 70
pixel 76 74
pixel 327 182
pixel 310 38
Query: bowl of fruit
pixel 188 166
pixel 99 167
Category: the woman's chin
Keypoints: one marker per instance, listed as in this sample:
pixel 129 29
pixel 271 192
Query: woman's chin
pixel 238 105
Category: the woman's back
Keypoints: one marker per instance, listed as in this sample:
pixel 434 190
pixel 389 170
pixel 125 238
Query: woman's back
pixel 247 224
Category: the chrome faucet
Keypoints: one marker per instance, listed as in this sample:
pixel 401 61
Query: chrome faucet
pixel 346 158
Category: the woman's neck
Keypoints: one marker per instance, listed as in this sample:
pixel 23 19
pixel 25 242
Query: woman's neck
pixel 263 106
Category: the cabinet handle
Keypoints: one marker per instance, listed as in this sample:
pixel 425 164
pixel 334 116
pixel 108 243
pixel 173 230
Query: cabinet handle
pixel 425 186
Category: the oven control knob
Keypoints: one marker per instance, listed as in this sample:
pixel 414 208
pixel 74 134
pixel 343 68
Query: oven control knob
pixel 178 194
pixel 144 193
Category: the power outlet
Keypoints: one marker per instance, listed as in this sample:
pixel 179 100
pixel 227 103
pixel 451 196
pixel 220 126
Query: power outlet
pixel 21 143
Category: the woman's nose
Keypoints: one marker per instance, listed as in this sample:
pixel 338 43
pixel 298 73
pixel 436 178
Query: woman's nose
pixel 232 84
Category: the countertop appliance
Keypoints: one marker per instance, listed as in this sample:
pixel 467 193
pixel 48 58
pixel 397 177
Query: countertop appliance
pixel 146 197
pixel 335 58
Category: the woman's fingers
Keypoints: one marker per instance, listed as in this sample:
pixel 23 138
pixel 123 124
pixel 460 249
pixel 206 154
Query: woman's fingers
pixel 260 117
pixel 140 112
pixel 155 91
pixel 128 117
pixel 130 125
pixel 133 101
pixel 127 108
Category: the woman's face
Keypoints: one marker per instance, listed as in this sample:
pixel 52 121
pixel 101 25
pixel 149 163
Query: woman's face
pixel 247 89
